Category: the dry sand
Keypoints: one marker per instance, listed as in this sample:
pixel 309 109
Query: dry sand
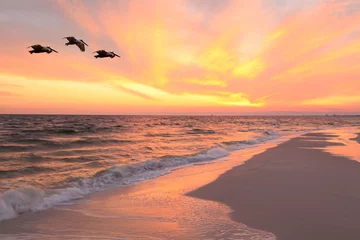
pixel 294 190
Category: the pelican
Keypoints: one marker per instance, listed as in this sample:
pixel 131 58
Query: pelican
pixel 78 42
pixel 37 48
pixel 104 54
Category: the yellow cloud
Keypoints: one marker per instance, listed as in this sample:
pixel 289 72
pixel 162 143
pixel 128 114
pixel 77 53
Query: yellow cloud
pixel 239 99
pixel 65 94
pixel 181 55
pixel 217 59
pixel 277 34
pixel 207 82
pixel 165 98
pixel 250 69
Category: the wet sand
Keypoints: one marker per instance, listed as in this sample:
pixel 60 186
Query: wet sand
pixel 294 190
pixel 357 139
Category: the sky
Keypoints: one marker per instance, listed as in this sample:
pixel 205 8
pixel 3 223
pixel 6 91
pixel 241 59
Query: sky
pixel 181 57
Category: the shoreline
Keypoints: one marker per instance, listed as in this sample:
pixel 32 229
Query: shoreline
pixel 160 204
pixel 294 190
pixel 38 199
pixel 160 207
pixel 356 139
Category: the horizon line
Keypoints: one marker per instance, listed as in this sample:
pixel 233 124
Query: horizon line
pixel 190 114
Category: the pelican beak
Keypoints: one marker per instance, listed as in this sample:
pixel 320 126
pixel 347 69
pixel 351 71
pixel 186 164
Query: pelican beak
pixel 54 50
pixel 84 42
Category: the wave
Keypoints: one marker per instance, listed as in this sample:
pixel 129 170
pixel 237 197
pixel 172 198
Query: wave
pixel 119 126
pixel 18 145
pixel 71 131
pixel 63 131
pixel 31 157
pixel 17 201
pixel 237 145
pixel 14 148
pixel 95 140
pixel 23 171
pixel 66 131
pixel 201 131
pixel 32 141
pixel 230 143
pixel 80 159
pixel 159 135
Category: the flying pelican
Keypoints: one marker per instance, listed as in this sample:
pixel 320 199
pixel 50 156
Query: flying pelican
pixel 37 48
pixel 104 54
pixel 78 42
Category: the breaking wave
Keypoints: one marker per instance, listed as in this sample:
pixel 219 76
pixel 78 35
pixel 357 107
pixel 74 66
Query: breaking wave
pixel 17 201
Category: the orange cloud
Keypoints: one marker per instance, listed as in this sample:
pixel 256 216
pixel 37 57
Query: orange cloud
pixel 333 101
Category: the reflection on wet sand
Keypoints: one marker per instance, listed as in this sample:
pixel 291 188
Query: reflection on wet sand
pixel 350 147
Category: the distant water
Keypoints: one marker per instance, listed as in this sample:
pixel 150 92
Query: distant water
pixel 46 160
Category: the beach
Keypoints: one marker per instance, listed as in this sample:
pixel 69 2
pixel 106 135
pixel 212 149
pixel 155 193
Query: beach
pixel 294 190
pixel 286 189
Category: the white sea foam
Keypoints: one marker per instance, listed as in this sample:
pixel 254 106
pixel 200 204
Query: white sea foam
pixel 17 201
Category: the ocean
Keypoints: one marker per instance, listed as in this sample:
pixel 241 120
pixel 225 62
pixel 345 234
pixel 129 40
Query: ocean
pixel 48 160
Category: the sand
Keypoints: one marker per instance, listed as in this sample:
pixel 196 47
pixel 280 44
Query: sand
pixel 294 190
pixel 357 139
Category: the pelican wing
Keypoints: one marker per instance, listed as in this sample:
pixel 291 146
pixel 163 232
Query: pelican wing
pixel 36 47
pixel 70 39
pixel 81 46
pixel 101 52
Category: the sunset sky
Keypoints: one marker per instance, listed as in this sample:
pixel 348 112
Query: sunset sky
pixel 181 56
